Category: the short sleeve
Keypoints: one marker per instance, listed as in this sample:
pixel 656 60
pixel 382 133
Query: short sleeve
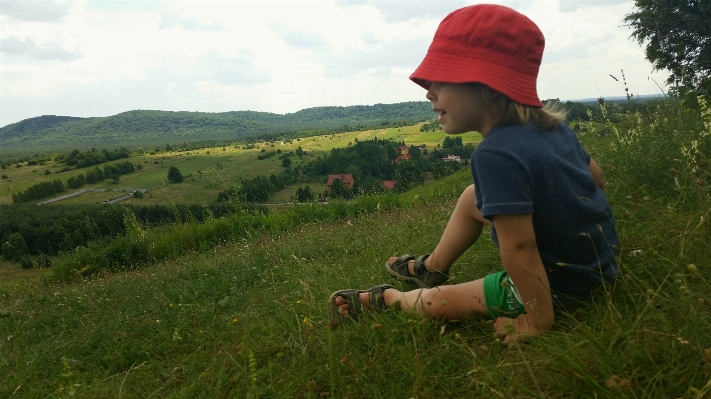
pixel 504 183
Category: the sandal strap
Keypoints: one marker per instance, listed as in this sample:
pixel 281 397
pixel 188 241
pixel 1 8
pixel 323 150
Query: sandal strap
pixel 355 309
pixel 419 267
pixel 376 296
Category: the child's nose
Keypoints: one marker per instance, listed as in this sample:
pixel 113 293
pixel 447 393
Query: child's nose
pixel 430 94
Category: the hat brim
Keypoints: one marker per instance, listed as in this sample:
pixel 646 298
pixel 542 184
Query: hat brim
pixel 439 66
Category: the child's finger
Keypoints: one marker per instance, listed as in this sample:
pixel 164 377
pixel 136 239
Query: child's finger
pixel 504 326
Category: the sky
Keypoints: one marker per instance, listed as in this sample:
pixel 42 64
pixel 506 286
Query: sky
pixel 102 57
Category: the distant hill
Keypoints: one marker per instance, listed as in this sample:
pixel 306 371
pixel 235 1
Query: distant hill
pixel 636 98
pixel 134 128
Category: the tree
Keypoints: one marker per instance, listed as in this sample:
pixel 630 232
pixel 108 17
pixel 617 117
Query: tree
pixel 304 194
pixel 15 248
pixel 286 162
pixel 677 34
pixel 174 175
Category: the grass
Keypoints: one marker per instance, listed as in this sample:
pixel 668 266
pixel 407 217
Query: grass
pixel 248 318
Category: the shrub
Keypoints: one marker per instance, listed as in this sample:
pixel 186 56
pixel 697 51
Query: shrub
pixel 27 262
pixel 174 175
pixel 15 248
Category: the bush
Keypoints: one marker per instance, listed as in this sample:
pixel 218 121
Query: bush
pixel 174 175
pixel 43 262
pixel 15 248
pixel 27 262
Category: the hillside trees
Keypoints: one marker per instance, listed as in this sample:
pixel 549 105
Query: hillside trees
pixel 39 190
pixel 677 36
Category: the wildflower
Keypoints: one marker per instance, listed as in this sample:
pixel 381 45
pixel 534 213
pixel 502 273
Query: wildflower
pixel 157 321
pixel 298 301
pixel 170 306
pixel 306 320
pixel 234 320
pixel 616 382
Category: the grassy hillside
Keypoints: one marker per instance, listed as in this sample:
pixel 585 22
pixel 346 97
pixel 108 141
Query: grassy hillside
pixel 150 128
pixel 245 314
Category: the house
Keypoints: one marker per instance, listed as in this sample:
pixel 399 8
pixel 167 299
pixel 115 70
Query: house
pixel 389 184
pixel 452 158
pixel 346 179
pixel 404 156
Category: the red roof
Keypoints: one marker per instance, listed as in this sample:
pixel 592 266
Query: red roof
pixel 345 179
pixel 403 157
pixel 389 184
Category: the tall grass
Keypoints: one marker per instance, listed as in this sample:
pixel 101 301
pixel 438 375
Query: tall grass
pixel 246 315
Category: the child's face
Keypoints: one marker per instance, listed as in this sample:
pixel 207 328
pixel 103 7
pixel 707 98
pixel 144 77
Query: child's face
pixel 460 107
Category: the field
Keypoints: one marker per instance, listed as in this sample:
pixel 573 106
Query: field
pixel 208 171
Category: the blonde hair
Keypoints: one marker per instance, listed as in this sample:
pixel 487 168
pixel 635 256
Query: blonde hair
pixel 508 112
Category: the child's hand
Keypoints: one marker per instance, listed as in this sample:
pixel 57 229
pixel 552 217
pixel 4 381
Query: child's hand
pixel 515 329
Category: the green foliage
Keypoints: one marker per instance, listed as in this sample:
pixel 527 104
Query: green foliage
pixel 140 247
pixel 431 126
pixel 39 191
pixel 663 152
pixel 174 175
pixel 14 247
pixel 676 35
pixel 304 194
pixel 286 162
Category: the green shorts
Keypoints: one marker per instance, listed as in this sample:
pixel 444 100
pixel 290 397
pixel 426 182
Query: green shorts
pixel 502 298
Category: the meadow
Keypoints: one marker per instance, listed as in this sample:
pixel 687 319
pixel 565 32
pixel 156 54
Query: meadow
pixel 210 170
pixel 237 307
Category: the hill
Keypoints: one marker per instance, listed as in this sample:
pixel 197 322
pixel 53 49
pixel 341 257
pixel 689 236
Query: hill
pixel 147 128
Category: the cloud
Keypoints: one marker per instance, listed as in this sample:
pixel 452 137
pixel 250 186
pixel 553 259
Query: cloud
pixel 401 53
pixel 239 70
pixel 52 51
pixel 300 39
pixel 369 39
pixel 35 10
pixel 172 21
pixel 575 5
pixel 405 10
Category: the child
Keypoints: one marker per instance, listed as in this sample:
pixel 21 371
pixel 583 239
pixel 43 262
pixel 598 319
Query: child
pixel 534 184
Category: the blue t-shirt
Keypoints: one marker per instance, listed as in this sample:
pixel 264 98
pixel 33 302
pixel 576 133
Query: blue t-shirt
pixel 520 169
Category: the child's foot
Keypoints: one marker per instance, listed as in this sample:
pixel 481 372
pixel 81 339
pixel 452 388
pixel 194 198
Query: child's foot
pixel 407 268
pixel 350 303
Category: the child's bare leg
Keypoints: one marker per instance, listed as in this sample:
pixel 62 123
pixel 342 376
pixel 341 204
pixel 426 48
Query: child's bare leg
pixel 463 229
pixel 449 302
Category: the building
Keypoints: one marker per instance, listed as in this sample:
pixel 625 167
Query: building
pixel 452 158
pixel 346 179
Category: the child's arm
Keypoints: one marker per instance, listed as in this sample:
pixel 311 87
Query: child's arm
pixel 597 174
pixel 522 262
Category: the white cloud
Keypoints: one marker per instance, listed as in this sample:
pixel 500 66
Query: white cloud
pixel 50 51
pixel 405 10
pixel 35 10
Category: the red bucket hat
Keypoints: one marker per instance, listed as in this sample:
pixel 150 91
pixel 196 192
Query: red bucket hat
pixel 489 44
